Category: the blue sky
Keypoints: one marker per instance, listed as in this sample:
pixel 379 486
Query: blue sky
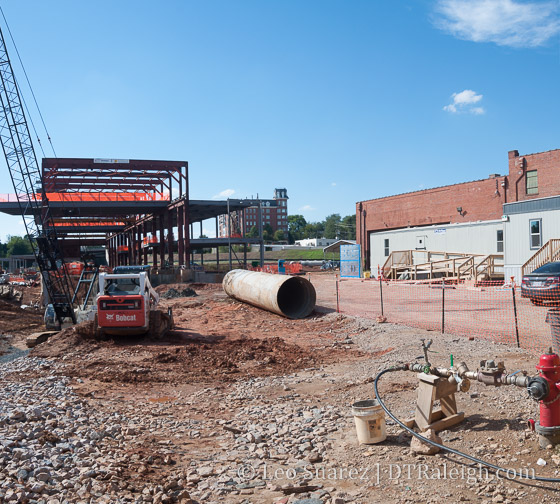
pixel 338 101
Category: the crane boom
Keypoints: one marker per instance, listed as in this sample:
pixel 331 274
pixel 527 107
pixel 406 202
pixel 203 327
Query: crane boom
pixel 32 199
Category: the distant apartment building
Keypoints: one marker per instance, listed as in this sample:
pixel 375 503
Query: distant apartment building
pixel 274 212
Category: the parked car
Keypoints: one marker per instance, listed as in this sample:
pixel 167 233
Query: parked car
pixel 543 284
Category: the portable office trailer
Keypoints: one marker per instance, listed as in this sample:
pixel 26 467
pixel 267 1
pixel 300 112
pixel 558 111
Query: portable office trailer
pixel 483 237
pixel 528 225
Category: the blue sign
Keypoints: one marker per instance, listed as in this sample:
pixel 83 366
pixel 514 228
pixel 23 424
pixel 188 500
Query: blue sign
pixel 350 261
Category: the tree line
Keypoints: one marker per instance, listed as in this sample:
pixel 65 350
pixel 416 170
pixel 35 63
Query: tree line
pixel 333 227
pixel 16 245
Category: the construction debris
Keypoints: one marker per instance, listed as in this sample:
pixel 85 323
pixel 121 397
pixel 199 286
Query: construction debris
pixel 174 293
pixel 9 293
pixel 38 338
pixel 422 448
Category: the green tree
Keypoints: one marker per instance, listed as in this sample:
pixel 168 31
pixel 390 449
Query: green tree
pixel 332 226
pixel 3 249
pixel 279 235
pixel 314 230
pixel 268 232
pixel 348 227
pixel 296 225
pixel 18 246
pixel 253 232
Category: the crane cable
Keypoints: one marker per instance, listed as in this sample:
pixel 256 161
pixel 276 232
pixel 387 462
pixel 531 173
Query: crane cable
pixel 32 92
pixel 64 203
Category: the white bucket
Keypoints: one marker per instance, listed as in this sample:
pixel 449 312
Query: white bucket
pixel 370 421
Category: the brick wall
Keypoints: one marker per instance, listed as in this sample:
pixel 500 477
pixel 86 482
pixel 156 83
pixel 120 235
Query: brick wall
pixel 547 165
pixel 478 200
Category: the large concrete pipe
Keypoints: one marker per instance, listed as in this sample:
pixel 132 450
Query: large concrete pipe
pixel 290 296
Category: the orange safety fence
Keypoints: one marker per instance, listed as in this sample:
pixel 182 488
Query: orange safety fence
pixel 495 311
pixel 90 196
pixel 291 269
pixel 148 241
pixel 17 279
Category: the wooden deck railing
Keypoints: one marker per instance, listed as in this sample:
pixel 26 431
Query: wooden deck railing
pixel 549 252
pixel 453 265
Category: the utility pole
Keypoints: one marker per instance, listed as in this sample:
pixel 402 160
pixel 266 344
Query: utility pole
pixel 229 234
pixel 261 234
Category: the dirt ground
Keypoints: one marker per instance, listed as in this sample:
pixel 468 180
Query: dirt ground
pixel 14 319
pixel 229 367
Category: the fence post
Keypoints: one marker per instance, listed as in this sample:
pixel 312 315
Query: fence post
pixel 515 312
pixel 442 306
pixel 381 292
pixel 337 303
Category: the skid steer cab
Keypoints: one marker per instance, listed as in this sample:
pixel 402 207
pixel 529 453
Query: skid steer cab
pixel 126 304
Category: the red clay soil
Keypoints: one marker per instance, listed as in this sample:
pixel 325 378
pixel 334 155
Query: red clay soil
pixel 215 338
pixel 15 320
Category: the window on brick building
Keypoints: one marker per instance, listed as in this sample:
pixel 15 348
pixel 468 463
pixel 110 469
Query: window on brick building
pixel 386 247
pixel 532 182
pixel 500 240
pixel 535 231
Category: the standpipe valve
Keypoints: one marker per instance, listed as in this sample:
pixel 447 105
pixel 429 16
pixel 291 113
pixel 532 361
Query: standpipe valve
pixel 544 388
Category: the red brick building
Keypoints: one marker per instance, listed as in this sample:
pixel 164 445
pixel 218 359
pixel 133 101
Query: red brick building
pixel 274 212
pixel 529 176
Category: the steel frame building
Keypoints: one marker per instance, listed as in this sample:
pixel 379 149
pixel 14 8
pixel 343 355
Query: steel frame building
pixel 139 209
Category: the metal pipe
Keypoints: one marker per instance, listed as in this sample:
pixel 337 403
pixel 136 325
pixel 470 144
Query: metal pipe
pixel 496 378
pixel 290 296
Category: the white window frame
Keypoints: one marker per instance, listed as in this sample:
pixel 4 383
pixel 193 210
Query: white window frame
pixel 499 241
pixel 531 234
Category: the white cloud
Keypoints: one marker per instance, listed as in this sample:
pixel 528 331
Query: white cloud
pixel 11 226
pixel 225 194
pixel 306 208
pixel 503 22
pixel 333 184
pixel 464 101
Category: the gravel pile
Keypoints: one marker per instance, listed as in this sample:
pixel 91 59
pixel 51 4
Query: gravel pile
pixel 54 448
pixel 174 293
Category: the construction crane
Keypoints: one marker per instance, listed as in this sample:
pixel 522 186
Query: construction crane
pixel 32 199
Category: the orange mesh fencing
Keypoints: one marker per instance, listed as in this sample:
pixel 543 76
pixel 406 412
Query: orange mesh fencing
pixel 291 269
pixel 492 310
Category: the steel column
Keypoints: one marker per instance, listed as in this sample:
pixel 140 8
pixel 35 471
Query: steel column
pixel 161 241
pixel 186 232
pixel 180 244
pixel 153 245
pixel 169 216
pixel 145 249
pixel 217 247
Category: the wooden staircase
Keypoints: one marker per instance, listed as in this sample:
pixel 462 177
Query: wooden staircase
pixel 427 265
pixel 549 252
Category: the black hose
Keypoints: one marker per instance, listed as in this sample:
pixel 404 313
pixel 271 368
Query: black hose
pixel 496 468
